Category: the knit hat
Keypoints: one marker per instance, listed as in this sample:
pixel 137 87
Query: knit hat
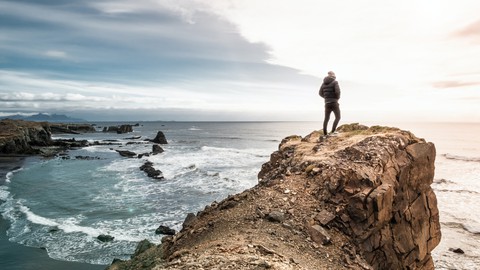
pixel 331 74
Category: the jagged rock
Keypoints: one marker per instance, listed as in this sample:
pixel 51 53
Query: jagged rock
pixel 119 129
pixel 20 137
pixel 157 149
pixel 86 157
pixel 151 171
pixel 457 250
pixel 325 217
pixel 160 138
pixel 59 128
pixel 110 129
pixel 369 187
pixel 53 229
pixel 142 247
pixel 105 238
pixel 125 129
pixel 70 143
pixel 319 235
pixel 165 230
pixel 126 153
pixel 379 185
pixel 133 138
pixel 188 219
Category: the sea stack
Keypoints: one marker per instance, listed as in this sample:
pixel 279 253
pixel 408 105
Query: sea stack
pixel 360 199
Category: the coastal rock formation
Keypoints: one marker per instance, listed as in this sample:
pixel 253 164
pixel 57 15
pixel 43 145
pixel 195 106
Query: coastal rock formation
pixel 59 128
pixel 105 238
pixel 157 149
pixel 20 137
pixel 357 200
pixel 160 138
pixel 26 137
pixel 148 168
pixel 126 153
pixel 119 129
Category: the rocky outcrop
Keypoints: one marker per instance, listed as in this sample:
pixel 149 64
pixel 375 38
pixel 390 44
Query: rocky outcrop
pixel 59 128
pixel 157 149
pixel 126 153
pixel 160 138
pixel 357 200
pixel 119 129
pixel 20 137
pixel 25 137
pixel 151 172
pixel 105 238
pixel 377 187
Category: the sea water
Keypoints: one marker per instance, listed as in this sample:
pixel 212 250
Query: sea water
pixel 63 204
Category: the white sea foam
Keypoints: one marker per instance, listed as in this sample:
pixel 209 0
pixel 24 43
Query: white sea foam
pixel 4 193
pixel 10 174
pixel 36 218
pixel 96 149
pixel 68 225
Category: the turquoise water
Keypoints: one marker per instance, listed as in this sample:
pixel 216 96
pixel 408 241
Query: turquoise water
pixel 62 205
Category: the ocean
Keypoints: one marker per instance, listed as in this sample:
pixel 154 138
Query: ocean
pixel 62 204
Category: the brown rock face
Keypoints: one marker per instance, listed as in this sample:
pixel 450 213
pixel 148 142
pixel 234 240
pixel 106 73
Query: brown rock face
pixel 377 181
pixel 357 200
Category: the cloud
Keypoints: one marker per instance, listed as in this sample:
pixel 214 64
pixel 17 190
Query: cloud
pixel 56 54
pixel 453 84
pixel 35 97
pixel 470 31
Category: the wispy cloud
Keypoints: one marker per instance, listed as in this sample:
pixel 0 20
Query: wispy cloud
pixel 470 31
pixel 56 54
pixel 453 84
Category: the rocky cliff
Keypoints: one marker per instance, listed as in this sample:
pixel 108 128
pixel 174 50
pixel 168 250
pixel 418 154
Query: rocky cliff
pixel 18 136
pixel 358 200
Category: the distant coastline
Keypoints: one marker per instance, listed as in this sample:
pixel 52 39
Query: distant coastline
pixel 57 118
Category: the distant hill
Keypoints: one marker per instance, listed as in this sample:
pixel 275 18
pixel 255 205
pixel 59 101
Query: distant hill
pixel 45 117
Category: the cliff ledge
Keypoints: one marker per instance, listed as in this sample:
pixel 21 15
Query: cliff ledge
pixel 358 200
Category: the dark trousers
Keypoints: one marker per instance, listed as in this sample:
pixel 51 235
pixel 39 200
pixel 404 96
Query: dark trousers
pixel 329 108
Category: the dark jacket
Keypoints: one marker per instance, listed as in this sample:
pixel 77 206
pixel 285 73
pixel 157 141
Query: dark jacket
pixel 330 90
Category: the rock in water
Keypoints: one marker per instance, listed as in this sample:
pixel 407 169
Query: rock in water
pixel 125 129
pixel 126 153
pixel 157 149
pixel 160 138
pixel 105 238
pixel 151 171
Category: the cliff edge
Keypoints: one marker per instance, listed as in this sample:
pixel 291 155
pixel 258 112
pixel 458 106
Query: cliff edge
pixel 19 137
pixel 358 200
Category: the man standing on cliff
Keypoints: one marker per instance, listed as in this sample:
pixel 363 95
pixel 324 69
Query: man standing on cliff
pixel 330 91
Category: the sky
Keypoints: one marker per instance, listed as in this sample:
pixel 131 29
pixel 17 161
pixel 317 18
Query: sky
pixel 240 60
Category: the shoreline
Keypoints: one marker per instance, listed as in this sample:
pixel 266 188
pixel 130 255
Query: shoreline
pixel 14 256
